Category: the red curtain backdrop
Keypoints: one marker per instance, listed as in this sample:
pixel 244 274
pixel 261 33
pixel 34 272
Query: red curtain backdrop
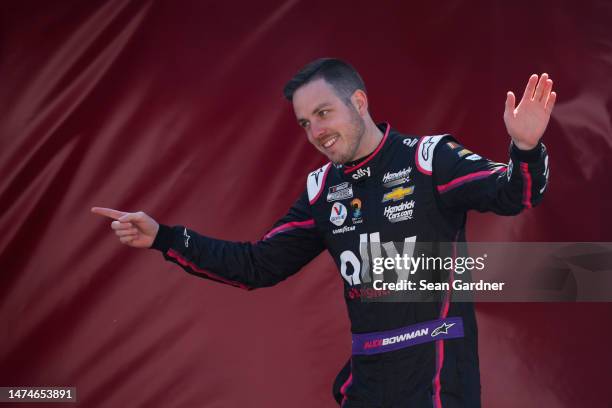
pixel 175 108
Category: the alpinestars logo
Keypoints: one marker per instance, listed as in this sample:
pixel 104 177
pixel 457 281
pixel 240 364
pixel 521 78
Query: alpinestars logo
pixel 426 148
pixel 360 173
pixel 317 174
pixel 186 237
pixel 546 173
pixel 509 171
pixel 442 329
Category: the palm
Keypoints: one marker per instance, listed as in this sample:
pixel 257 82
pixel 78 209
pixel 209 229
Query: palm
pixel 527 122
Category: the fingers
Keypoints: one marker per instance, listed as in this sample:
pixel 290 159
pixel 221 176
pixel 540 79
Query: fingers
pixel 550 103
pixel 132 217
pixel 542 84
pixel 127 239
pixel 530 88
pixel 127 232
pixel 116 225
pixel 108 212
pixel 510 102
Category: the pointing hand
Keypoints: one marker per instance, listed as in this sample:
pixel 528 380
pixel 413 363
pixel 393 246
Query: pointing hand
pixel 137 229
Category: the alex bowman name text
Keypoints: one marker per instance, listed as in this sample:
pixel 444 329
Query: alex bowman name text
pixel 396 339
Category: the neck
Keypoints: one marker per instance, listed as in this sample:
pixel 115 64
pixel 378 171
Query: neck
pixel 371 140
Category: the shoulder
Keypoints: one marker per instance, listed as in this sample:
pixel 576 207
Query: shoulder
pixel 426 147
pixel 315 182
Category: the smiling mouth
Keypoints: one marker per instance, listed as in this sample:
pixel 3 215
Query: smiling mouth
pixel 330 142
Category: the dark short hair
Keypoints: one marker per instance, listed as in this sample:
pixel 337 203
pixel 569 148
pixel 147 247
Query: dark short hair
pixel 342 77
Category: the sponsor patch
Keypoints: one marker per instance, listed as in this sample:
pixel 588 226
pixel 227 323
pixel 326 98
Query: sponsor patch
pixel 473 157
pixel 344 229
pixel 357 216
pixel 400 212
pixel 398 194
pixel 452 145
pixel 410 142
pixel 338 214
pixel 362 173
pixel 395 179
pixel 340 192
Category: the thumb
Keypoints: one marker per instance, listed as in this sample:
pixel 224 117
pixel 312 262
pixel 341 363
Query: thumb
pixel 510 102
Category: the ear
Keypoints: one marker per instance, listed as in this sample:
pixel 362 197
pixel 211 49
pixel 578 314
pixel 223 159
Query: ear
pixel 360 101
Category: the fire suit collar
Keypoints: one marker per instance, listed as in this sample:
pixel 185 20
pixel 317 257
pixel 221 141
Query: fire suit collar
pixel 364 168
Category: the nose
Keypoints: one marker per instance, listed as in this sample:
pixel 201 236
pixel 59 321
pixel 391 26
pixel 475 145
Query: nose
pixel 317 131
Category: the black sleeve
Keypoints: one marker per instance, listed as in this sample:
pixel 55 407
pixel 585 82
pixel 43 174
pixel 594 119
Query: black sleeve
pixel 289 245
pixel 465 180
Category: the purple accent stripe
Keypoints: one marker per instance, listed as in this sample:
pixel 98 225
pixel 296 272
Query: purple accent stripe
pixel 391 340
pixel 467 178
pixel 290 226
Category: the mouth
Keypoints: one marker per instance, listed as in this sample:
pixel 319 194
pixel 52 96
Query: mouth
pixel 329 142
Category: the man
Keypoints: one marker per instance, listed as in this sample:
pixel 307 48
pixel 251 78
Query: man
pixel 380 187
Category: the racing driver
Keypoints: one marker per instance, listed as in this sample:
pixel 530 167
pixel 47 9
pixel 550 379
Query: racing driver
pixel 381 192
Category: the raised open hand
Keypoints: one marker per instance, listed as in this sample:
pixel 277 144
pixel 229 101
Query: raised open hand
pixel 527 122
pixel 137 229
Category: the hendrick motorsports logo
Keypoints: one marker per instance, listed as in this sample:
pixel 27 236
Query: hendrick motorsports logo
pixel 400 212
pixel 338 214
pixel 395 179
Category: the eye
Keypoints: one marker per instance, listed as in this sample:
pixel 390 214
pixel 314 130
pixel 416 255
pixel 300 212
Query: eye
pixel 323 112
pixel 304 123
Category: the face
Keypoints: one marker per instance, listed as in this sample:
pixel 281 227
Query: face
pixel 334 128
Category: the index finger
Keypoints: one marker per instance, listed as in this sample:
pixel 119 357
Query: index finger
pixel 108 212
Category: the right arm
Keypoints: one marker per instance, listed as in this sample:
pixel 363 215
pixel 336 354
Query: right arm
pixel 287 247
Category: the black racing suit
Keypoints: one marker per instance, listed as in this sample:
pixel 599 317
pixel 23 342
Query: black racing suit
pixel 410 189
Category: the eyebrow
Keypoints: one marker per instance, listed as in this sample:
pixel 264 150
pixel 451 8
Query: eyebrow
pixel 316 109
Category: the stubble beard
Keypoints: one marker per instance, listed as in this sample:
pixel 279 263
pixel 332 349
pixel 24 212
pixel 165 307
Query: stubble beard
pixel 354 137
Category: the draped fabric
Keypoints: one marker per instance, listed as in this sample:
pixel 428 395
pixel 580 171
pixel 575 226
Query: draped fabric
pixel 175 108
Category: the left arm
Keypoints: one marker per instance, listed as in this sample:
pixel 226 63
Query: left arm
pixel 467 181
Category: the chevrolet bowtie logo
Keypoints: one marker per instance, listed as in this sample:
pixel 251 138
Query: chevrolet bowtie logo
pixel 398 194
pixel 442 329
